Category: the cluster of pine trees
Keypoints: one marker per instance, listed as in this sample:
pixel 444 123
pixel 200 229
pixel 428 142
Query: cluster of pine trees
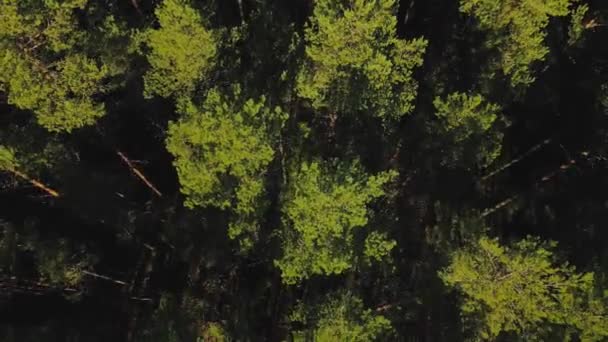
pixel 304 170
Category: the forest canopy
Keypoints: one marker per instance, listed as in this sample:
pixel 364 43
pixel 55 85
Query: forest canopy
pixel 327 170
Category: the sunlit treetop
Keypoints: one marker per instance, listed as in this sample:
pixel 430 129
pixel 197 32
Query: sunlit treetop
pixel 577 27
pixel 467 122
pixel 517 29
pixel 222 151
pixel 523 289
pixel 323 208
pixel 51 66
pixel 466 114
pixel 61 97
pixel 52 24
pixel 355 62
pixel 181 50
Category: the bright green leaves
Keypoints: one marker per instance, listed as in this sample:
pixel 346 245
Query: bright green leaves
pixel 468 121
pixel 354 61
pixel 517 29
pixel 522 289
pixel 221 141
pixel 342 317
pixel 8 162
pixel 49 25
pixel 466 114
pixel 62 97
pixel 577 24
pixel 378 246
pixel 322 210
pixel 45 63
pixel 181 50
pixel 222 151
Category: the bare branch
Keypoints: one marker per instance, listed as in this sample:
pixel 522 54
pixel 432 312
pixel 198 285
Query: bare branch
pixel 139 174
pixel 35 183
pixel 516 160
pixel 101 276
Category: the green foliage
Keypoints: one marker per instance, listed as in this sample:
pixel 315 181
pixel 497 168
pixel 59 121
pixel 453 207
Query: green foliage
pixel 522 289
pixel 52 23
pixel 517 29
pixel 8 161
pixel 222 151
pixel 466 114
pixel 213 332
pixel 62 101
pixel 378 246
pixel 323 209
pixel 469 118
pixel 45 63
pixel 57 261
pixel 31 151
pixel 181 52
pixel 342 317
pixel 354 61
pixel 577 24
pixel 181 319
pixel 301 194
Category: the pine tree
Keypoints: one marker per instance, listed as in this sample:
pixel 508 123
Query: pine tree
pixel 355 62
pixel 517 29
pixel 222 151
pixel 52 67
pixel 522 289
pixel 323 209
pixel 340 317
pixel 467 123
pixel 181 50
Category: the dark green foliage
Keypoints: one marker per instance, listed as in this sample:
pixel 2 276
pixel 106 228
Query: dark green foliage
pixel 181 319
pixel 340 317
pixel 59 262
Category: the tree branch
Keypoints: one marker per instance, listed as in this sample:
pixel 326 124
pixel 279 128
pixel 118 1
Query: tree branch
pixel 101 276
pixel 516 160
pixel 35 183
pixel 139 174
